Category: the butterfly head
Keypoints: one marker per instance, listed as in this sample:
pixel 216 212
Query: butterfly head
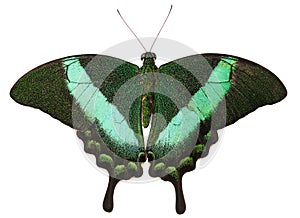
pixel 148 59
pixel 148 55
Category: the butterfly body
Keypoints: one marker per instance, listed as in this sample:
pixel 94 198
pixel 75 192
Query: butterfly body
pixel 148 98
pixel 109 101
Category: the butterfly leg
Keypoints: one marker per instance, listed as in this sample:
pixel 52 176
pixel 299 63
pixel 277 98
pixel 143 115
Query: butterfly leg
pixel 108 202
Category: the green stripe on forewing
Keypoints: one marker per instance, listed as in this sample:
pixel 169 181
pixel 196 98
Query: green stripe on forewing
pixel 98 109
pixel 203 103
pixel 209 96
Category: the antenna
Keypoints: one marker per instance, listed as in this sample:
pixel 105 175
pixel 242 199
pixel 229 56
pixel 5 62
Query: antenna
pixel 132 31
pixel 161 28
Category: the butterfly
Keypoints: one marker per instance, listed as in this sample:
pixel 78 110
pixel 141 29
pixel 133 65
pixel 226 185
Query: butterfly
pixel 109 101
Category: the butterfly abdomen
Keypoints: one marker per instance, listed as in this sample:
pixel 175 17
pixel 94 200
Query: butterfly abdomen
pixel 147 108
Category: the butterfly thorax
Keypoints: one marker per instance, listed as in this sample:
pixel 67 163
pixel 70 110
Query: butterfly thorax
pixel 149 66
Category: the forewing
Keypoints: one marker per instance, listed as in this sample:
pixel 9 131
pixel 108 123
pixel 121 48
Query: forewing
pixel 222 90
pixel 80 92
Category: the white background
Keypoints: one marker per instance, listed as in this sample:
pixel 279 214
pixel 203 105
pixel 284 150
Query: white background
pixel 254 174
